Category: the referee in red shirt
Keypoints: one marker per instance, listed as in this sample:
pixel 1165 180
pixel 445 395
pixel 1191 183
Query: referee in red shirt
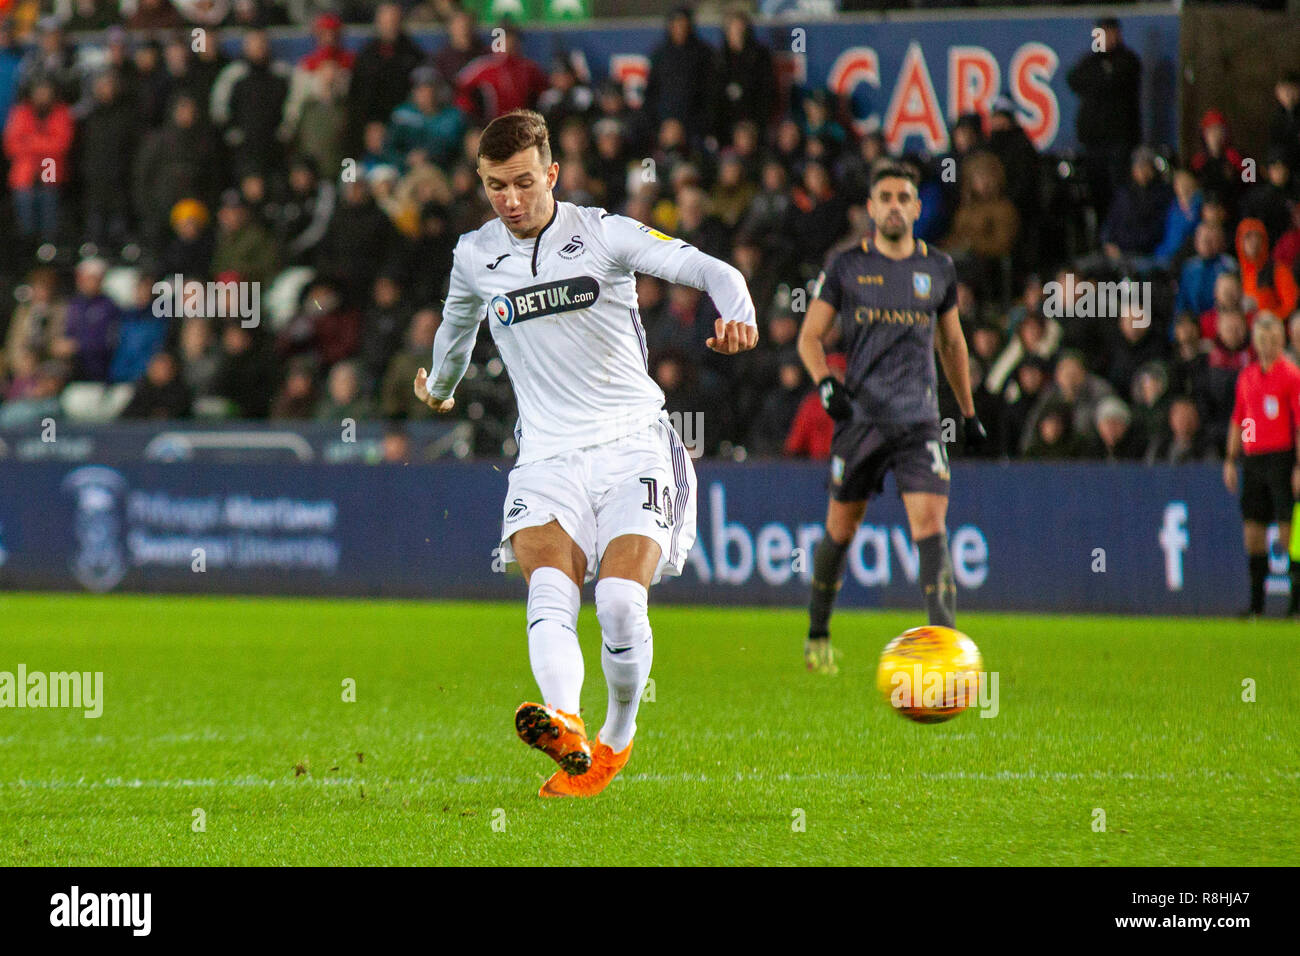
pixel 1263 436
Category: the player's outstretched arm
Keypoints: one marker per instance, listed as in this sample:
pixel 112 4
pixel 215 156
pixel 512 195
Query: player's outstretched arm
pixel 422 393
pixel 731 337
pixel 639 248
pixel 462 310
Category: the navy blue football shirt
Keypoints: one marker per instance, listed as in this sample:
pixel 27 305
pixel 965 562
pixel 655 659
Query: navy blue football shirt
pixel 887 310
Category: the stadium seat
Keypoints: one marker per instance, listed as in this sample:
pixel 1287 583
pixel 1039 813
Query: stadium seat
pixel 281 299
pixel 213 407
pixel 95 401
pixel 119 285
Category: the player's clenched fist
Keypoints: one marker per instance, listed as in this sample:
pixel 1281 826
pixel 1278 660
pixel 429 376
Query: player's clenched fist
pixel 422 393
pixel 835 398
pixel 732 337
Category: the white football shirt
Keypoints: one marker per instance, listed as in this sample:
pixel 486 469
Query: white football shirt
pixel 563 312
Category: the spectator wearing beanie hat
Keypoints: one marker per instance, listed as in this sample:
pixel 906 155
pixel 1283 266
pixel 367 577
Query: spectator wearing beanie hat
pixel 1218 164
pixel 189 248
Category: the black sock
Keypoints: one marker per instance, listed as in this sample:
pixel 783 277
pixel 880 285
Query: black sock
pixel 1258 572
pixel 1294 605
pixel 828 570
pixel 936 580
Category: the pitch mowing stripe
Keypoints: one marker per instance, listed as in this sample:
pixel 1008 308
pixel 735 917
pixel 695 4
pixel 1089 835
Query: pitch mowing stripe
pixel 136 784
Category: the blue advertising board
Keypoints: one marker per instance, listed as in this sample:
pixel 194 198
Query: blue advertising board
pixel 908 77
pixel 242 441
pixel 1069 537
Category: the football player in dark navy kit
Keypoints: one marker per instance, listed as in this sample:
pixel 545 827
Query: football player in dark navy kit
pixel 895 298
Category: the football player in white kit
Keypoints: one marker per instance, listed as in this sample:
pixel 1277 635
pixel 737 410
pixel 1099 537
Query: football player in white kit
pixel 603 484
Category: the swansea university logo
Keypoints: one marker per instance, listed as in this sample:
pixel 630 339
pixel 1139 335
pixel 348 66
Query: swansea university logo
pixel 100 562
pixel 549 298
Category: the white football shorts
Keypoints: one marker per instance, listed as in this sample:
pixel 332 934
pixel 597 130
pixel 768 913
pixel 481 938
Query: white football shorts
pixel 642 483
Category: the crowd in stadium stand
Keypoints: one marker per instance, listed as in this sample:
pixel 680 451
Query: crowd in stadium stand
pixel 341 182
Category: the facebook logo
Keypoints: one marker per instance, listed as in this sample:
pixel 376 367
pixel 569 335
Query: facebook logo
pixel 1173 541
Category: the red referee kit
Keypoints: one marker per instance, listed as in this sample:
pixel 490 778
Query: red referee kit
pixel 1272 401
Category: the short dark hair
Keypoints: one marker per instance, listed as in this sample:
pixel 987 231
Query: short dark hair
pixel 892 169
pixel 515 131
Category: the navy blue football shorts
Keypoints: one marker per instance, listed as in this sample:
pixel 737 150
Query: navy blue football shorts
pixel 862 453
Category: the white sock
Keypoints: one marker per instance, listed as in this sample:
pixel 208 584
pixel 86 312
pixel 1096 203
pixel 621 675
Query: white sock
pixel 626 652
pixel 553 649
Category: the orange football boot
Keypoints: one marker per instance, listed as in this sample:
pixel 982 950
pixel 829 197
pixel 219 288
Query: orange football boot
pixel 561 736
pixel 605 765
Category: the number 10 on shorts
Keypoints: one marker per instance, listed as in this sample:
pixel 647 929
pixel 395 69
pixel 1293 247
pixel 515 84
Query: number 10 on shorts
pixel 665 511
pixel 940 455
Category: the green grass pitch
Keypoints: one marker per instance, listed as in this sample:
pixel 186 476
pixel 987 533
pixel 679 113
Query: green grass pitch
pixel 235 707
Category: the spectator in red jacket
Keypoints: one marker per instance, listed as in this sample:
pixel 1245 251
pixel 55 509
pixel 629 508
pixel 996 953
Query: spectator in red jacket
pixel 1287 251
pixel 327 29
pixel 1227 297
pixel 303 83
pixel 324 326
pixel 812 429
pixel 1230 348
pixel 497 83
pixel 37 140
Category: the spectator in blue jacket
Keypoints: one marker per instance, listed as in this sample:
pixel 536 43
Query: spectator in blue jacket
pixel 1199 273
pixel 11 58
pixel 932 225
pixel 1184 214
pixel 140 335
pixel 427 121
